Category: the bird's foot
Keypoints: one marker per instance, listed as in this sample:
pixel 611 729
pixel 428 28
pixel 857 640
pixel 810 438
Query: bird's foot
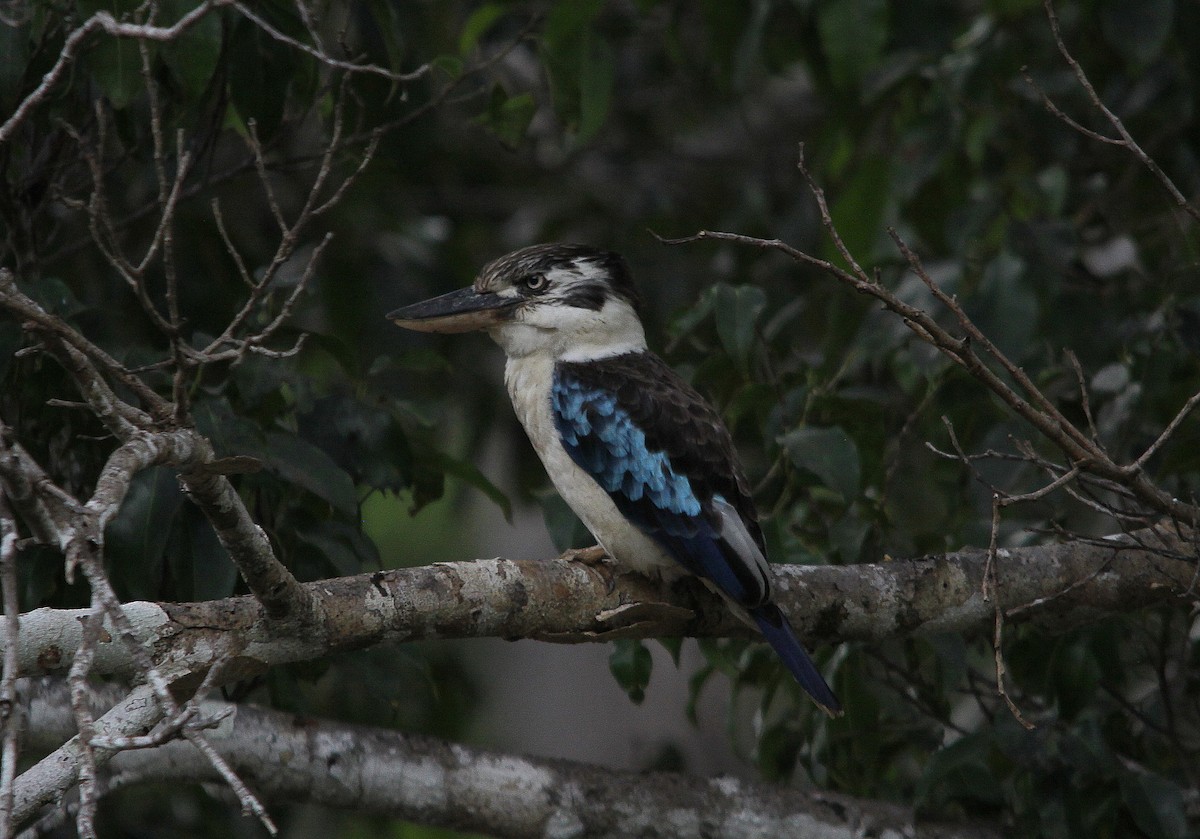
pixel 594 555
pixel 597 559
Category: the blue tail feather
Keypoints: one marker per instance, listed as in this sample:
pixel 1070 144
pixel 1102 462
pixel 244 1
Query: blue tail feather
pixel 778 633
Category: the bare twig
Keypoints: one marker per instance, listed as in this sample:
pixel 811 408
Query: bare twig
pixel 106 598
pixel 328 60
pixel 1040 412
pixel 1162 439
pixel 1085 401
pixel 250 803
pixel 24 307
pixel 989 594
pixel 1126 139
pixel 100 21
pixel 25 484
pixel 77 678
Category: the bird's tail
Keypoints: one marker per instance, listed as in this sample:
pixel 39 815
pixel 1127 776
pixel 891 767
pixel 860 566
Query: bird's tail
pixel 778 633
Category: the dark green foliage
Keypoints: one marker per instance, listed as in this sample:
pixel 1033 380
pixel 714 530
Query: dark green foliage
pixel 631 664
pixel 603 121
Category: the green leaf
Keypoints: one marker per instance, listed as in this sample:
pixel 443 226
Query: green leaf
pixel 580 66
pixel 450 65
pixel 230 434
pixel 213 573
pixel 631 663
pixel 1076 676
pixel 1006 306
pixel 828 453
pixel 595 87
pixel 137 537
pixel 565 529
pixel 55 296
pixel 737 313
pixel 859 208
pixel 116 66
pixel 960 771
pixel 15 45
pixel 467 472
pixel 300 462
pixel 477 24
pixel 388 28
pixel 1138 31
pixel 283 453
pixel 193 56
pixel 695 687
pixel 1155 804
pixel 749 47
pixel 777 749
pixel 331 546
pixel 853 34
pixel 508 117
pixel 674 646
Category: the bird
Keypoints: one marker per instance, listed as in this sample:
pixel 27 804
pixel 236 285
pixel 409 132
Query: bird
pixel 643 460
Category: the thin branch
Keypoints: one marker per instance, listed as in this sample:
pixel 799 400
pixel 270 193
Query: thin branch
pixel 827 220
pixel 1127 139
pixel 24 482
pixel 105 598
pixel 989 593
pixel 1172 426
pixel 1060 114
pixel 24 307
pixel 1084 399
pixel 77 679
pixel 328 60
pixel 100 21
pixel 1045 417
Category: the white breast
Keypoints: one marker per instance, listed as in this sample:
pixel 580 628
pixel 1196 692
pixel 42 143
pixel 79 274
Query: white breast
pixel 528 380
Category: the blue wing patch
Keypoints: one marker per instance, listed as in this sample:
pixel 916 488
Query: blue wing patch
pixel 602 438
pixel 705 534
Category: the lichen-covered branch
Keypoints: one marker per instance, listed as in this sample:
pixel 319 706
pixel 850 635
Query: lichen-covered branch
pixel 569 602
pixel 432 782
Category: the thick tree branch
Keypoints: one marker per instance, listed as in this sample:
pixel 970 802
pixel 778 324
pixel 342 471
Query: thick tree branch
pixel 1057 586
pixel 421 779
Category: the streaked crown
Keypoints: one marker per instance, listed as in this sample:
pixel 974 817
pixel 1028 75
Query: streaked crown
pixel 579 276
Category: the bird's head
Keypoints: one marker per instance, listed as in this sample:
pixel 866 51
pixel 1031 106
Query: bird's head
pixel 572 302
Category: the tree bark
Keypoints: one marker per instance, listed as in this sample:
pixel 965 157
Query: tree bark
pixel 421 779
pixel 1058 586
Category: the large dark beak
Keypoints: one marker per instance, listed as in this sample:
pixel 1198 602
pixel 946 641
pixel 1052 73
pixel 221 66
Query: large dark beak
pixel 459 311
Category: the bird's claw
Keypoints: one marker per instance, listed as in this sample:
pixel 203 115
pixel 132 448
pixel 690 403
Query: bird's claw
pixel 594 555
pixel 596 559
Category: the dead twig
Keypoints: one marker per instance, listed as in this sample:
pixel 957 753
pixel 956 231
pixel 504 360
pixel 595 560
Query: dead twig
pixel 1124 138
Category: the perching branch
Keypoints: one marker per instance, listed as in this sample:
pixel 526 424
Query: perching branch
pixel 1056 586
pixel 569 602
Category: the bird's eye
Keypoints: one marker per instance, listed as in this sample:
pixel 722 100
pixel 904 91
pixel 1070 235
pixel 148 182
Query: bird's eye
pixel 534 282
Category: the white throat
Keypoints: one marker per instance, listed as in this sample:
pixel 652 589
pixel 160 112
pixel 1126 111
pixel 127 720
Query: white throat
pixel 572 334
